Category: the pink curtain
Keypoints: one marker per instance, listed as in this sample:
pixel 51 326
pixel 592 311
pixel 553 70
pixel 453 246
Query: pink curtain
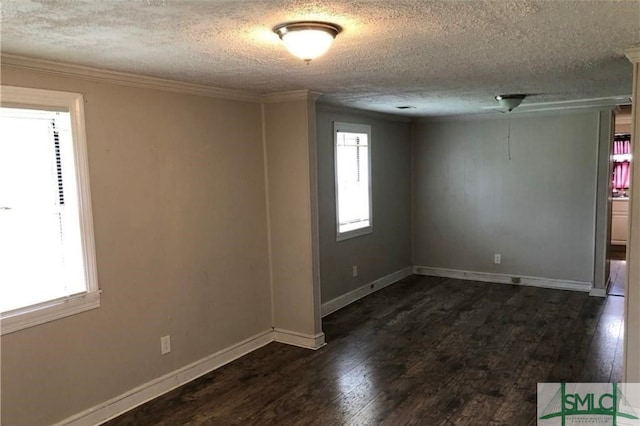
pixel 621 172
pixel 622 146
pixel 621 175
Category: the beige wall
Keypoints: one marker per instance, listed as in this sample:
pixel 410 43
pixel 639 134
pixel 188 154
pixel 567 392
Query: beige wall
pixel 178 191
pixel 623 128
pixel 537 210
pixel 632 293
pixel 623 121
pixel 388 248
pixel 292 193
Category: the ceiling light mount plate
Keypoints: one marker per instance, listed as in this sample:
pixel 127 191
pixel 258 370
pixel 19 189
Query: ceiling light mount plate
pixel 307 39
pixel 510 101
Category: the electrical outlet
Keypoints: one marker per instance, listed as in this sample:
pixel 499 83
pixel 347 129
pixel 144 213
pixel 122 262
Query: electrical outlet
pixel 165 345
pixel 355 271
pixel 497 259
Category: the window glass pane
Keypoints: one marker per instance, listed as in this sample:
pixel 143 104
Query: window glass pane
pixel 352 181
pixel 40 249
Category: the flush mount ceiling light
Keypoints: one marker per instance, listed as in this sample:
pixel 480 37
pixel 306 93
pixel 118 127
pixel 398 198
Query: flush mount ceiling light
pixel 510 101
pixel 307 39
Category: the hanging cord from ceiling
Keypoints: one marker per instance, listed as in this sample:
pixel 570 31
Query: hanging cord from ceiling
pixel 510 102
pixel 509 135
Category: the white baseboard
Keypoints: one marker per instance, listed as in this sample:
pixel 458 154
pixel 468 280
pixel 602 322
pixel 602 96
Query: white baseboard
pixel 302 340
pixel 504 279
pixel 602 292
pixel 153 389
pixel 121 404
pixel 360 292
pixel 161 385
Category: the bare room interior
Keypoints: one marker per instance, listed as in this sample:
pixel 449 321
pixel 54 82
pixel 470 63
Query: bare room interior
pixel 416 223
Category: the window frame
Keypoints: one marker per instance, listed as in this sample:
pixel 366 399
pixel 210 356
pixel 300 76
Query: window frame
pixel 29 316
pixel 351 128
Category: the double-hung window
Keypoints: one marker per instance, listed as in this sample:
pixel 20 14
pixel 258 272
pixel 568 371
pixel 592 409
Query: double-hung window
pixel 352 147
pixel 47 255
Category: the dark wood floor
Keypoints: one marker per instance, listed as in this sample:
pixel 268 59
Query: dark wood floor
pixel 617 275
pixel 425 351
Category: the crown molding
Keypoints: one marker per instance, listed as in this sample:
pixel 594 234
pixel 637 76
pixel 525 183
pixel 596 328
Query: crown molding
pixel 124 79
pixel 135 80
pixel 338 109
pixel 633 54
pixel 607 102
pixel 490 113
pixel 293 95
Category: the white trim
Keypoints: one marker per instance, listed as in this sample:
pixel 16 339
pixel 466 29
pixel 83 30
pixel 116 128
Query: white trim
pixel 341 236
pixel 153 389
pixel 606 102
pixel 85 211
pixel 308 341
pixel 123 79
pixel 352 128
pixel 504 279
pixel 41 97
pixel 346 299
pixel 533 110
pixel 49 311
pixel 293 95
pixel 148 391
pixel 147 82
pixel 71 305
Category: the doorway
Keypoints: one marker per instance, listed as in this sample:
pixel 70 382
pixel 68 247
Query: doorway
pixel 618 271
pixel 621 171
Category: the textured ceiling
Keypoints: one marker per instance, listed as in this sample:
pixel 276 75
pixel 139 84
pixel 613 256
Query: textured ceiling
pixel 442 57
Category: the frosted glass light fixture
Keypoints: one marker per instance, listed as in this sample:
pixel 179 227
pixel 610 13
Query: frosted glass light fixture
pixel 307 39
pixel 510 102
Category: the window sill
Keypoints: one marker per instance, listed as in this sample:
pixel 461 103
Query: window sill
pixel 49 311
pixel 355 233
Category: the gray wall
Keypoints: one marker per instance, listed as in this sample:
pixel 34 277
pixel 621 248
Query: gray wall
pixel 388 248
pixel 537 210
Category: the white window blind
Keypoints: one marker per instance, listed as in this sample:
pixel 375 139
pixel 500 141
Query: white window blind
pixel 47 255
pixel 353 179
pixel 40 244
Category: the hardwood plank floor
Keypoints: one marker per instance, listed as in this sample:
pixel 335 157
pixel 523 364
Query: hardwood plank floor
pixel 617 276
pixel 425 351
